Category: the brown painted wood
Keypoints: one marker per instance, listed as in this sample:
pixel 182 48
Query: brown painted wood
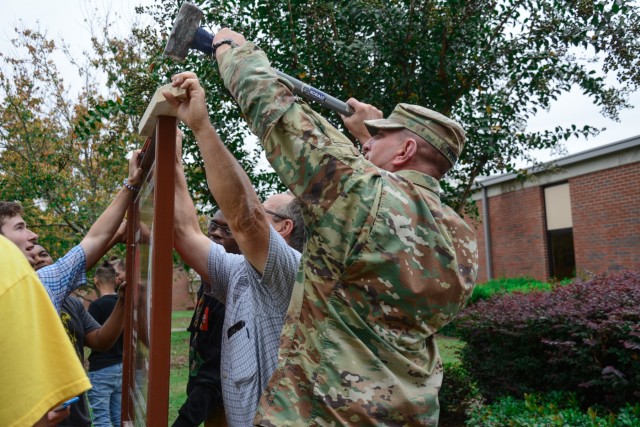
pixel 128 340
pixel 133 283
pixel 162 272
pixel 147 336
pixel 157 193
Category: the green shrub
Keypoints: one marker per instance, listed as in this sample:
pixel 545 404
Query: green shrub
pixel 458 390
pixel 583 337
pixel 553 409
pixel 499 287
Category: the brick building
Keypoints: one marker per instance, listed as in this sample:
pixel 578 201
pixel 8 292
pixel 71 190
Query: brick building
pixel 582 215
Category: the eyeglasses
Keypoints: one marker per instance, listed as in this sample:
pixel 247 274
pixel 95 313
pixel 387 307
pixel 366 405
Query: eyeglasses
pixel 224 229
pixel 282 217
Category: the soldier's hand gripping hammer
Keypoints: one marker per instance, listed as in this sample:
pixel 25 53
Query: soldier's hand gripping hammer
pixel 188 34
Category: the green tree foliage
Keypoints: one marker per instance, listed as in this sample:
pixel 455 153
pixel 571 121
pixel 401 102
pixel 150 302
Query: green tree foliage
pixel 139 84
pixel 63 180
pixel 490 64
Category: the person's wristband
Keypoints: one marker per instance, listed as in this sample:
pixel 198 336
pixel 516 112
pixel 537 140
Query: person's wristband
pixel 129 186
pixel 215 46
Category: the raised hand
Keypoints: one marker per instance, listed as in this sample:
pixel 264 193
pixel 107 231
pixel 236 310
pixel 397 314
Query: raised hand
pixel 355 122
pixel 193 110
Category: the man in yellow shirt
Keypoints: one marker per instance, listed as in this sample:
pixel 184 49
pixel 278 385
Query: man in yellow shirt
pixel 38 365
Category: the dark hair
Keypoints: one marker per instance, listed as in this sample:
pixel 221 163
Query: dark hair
pixel 9 210
pixel 117 263
pixel 106 272
pixel 293 210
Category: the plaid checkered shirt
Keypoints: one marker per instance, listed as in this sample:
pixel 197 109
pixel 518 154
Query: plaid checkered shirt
pixel 64 276
pixel 250 352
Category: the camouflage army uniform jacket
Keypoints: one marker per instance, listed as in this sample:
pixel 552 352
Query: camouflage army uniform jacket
pixel 386 264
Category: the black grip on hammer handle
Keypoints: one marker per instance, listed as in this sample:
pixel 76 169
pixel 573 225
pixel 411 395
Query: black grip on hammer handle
pixel 312 94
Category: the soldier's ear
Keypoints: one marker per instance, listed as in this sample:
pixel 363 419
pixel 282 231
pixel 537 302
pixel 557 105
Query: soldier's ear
pixel 405 152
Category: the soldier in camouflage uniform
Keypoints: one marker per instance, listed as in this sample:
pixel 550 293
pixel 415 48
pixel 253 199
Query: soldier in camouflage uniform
pixel 385 266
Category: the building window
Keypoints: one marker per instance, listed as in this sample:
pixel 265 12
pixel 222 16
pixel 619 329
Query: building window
pixel 562 262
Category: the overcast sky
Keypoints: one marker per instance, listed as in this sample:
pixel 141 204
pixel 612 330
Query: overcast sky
pixel 66 19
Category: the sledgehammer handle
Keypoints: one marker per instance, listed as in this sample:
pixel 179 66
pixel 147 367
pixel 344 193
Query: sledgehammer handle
pixel 202 42
pixel 312 94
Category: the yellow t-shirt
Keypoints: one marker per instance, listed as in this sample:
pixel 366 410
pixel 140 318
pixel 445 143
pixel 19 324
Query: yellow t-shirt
pixel 38 366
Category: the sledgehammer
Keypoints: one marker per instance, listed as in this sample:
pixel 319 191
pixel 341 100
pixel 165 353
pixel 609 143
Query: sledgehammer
pixel 187 34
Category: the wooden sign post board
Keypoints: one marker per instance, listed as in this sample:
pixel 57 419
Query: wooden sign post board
pixel 147 332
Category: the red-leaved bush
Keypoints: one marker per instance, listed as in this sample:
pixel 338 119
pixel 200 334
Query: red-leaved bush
pixel 583 337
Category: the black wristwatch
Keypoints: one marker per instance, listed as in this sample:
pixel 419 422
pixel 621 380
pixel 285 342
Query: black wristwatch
pixel 215 46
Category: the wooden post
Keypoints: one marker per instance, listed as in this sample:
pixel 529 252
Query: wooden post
pixel 147 349
pixel 162 273
pixel 128 339
pixel 159 107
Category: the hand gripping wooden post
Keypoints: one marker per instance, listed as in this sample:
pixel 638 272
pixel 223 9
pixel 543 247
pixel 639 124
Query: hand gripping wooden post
pixel 147 332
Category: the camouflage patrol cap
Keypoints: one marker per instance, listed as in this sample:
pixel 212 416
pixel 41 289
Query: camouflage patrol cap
pixel 438 130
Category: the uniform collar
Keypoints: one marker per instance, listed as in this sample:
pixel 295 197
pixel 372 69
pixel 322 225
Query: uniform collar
pixel 421 180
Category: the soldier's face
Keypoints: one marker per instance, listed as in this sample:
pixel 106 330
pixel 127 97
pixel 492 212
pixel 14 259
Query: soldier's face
pixel 382 148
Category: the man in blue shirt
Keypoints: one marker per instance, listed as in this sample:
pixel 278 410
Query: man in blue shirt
pixel 68 273
pixel 255 287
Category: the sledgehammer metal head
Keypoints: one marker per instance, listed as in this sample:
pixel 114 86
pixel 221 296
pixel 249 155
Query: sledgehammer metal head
pixel 187 33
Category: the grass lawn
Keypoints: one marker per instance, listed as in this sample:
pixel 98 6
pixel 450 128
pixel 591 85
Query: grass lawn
pixel 179 362
pixel 449 348
pixel 180 319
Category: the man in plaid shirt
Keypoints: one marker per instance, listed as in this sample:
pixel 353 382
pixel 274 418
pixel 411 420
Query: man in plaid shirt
pixel 68 273
pixel 257 286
